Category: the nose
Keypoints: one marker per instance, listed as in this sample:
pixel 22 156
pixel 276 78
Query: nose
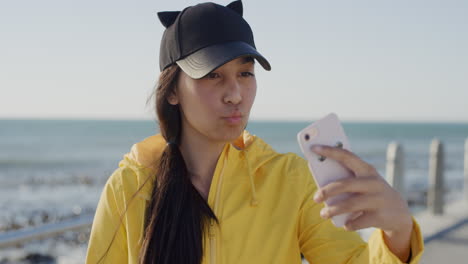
pixel 233 92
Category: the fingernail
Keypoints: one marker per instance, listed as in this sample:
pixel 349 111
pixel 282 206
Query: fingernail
pixel 318 196
pixel 317 148
pixel 324 213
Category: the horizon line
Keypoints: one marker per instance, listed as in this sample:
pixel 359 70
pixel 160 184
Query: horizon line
pixel 349 120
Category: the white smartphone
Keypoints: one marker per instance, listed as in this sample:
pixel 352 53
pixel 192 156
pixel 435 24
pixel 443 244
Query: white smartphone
pixel 327 131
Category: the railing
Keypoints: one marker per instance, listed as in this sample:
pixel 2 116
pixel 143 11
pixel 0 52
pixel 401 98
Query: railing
pixel 17 237
pixel 394 175
pixel 436 188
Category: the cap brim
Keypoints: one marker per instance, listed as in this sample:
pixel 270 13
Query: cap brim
pixel 203 61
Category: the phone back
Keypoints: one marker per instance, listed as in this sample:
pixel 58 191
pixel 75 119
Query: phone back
pixel 326 131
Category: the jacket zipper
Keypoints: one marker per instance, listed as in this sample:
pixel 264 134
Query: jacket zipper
pixel 212 243
pixel 212 227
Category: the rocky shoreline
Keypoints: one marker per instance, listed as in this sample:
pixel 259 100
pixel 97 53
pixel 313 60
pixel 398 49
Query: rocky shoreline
pixel 68 247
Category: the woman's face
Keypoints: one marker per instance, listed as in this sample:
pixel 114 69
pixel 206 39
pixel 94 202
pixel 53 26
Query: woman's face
pixel 217 106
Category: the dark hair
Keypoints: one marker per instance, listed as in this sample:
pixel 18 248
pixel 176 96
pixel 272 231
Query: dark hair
pixel 177 213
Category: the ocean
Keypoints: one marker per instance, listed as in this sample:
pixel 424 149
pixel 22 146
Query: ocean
pixel 55 169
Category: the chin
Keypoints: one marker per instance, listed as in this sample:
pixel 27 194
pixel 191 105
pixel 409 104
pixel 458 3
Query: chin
pixel 231 133
pixel 234 132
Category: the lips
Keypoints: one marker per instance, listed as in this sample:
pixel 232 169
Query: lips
pixel 234 118
pixel 234 115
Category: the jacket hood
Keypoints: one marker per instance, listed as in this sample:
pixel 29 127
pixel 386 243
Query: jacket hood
pixel 246 148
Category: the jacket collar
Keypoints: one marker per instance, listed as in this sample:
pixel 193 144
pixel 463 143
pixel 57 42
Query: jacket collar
pixel 247 147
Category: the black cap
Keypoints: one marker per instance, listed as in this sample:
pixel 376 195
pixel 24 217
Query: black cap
pixel 203 37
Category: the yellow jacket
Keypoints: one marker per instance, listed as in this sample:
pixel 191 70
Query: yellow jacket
pixel 263 200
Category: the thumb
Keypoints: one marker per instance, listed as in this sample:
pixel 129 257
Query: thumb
pixel 360 220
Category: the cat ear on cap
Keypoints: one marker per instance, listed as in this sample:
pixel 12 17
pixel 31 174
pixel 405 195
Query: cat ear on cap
pixel 236 6
pixel 167 18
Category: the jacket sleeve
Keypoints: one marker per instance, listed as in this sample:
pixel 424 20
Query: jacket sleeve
pixel 108 242
pixel 322 243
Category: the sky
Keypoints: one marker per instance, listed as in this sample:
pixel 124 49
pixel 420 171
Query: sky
pixel 366 60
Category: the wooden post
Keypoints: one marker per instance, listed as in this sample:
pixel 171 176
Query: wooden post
pixel 435 195
pixel 466 169
pixel 394 170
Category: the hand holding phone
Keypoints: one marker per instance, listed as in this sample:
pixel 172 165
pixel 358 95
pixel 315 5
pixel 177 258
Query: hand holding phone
pixel 326 131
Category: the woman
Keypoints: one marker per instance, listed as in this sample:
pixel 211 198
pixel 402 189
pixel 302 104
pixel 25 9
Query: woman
pixel 206 191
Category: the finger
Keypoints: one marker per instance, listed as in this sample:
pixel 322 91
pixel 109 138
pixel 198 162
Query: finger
pixel 367 219
pixel 355 215
pixel 347 158
pixel 356 203
pixel 350 185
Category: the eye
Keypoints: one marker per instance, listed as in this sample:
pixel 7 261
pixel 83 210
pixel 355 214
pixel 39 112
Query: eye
pixel 212 75
pixel 247 74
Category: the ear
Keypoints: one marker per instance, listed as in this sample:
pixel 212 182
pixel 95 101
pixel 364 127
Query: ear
pixel 173 99
pixel 167 18
pixel 236 6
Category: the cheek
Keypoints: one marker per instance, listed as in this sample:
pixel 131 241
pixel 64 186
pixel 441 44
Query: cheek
pixel 250 94
pixel 198 102
pixel 254 92
pixel 207 100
